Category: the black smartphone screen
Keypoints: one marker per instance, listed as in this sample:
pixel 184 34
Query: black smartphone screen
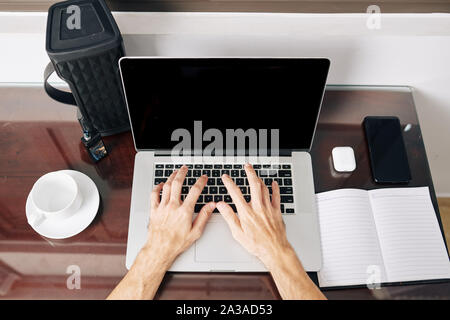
pixel 387 151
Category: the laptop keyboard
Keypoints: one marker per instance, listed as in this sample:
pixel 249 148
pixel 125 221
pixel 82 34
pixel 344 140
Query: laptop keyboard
pixel 216 191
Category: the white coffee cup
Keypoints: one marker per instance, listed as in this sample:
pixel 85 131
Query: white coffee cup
pixel 55 195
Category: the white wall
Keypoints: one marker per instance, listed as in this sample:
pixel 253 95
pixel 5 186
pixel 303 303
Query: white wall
pixel 409 49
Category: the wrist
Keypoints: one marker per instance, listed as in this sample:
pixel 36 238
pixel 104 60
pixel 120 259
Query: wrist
pixel 291 278
pixel 151 260
pixel 144 277
pixel 282 257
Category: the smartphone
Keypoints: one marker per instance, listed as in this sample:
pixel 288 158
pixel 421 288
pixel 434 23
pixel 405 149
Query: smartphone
pixel 387 152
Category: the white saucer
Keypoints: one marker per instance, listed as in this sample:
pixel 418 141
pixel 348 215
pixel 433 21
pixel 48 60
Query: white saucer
pixel 80 220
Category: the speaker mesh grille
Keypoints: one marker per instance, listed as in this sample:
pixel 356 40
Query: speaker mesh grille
pixel 95 81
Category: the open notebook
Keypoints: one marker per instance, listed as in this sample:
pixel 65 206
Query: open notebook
pixel 391 234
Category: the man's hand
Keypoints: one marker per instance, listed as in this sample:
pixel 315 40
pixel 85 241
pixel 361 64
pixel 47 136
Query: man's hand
pixel 260 229
pixel 171 230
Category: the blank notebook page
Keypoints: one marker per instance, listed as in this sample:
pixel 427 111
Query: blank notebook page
pixel 410 238
pixel 348 237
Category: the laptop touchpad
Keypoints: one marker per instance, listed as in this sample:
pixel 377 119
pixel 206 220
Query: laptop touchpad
pixel 218 245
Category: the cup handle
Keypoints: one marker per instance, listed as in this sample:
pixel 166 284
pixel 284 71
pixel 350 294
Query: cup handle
pixel 36 219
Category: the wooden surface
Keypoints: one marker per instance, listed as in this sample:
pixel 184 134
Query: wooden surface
pixel 38 135
pixel 444 208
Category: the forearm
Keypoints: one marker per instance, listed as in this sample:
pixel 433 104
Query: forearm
pixel 292 281
pixel 143 279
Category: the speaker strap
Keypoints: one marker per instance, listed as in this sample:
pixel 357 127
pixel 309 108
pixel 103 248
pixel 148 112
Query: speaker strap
pixel 91 138
pixel 56 94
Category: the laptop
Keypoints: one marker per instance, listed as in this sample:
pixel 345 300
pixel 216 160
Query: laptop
pixel 214 115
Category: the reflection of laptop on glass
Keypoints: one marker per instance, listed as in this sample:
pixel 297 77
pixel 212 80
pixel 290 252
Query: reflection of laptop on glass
pixel 166 94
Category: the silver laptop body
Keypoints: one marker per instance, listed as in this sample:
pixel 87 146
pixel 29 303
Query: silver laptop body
pixel 216 250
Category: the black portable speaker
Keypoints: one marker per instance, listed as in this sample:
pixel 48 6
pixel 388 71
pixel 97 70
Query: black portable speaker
pixel 84 45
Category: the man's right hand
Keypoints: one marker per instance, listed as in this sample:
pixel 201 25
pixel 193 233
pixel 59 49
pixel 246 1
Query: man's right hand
pixel 260 229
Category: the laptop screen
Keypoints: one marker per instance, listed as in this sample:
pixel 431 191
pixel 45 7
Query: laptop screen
pixel 277 98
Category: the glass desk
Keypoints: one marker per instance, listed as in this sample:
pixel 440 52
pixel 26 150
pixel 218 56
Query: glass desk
pixel 38 135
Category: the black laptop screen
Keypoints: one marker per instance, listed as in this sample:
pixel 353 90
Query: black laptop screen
pixel 166 94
